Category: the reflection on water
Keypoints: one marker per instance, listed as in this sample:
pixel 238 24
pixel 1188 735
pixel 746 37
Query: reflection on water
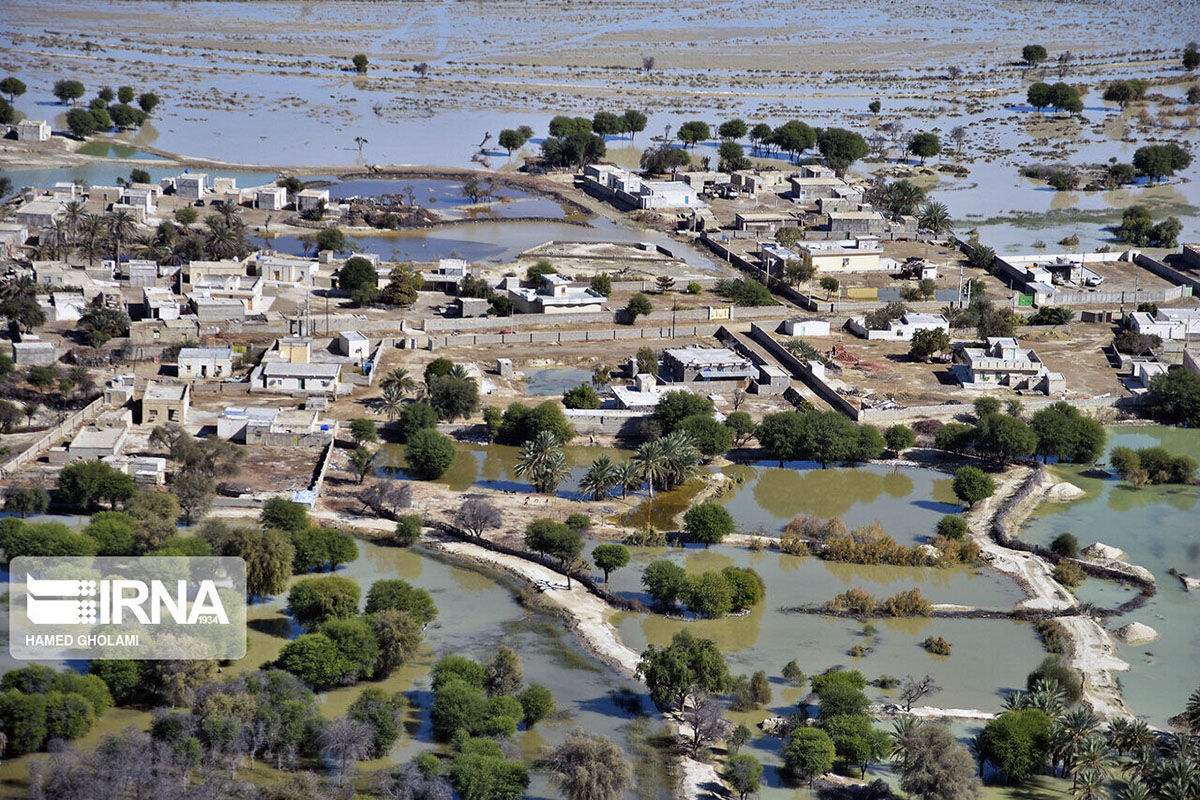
pixel 1156 527
pixel 106 149
pixel 494 466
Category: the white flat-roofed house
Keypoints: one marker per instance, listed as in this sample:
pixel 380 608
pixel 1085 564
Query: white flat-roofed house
pixel 311 199
pixel 353 344
pixel 203 363
pixel 41 212
pixel 95 443
pixel 1177 324
pixel 158 302
pixel 33 130
pixel 142 200
pixel 68 306
pixel 199 270
pixel 34 352
pixel 668 194
pixel 246 290
pixel 285 269
pixel 277 375
pixel 862 254
pixel 270 198
pixel 449 274
pixel 800 326
pixel 900 330
pixel 1004 363
pixel 191 185
pixel 775 256
pixel 696 364
pixel 555 295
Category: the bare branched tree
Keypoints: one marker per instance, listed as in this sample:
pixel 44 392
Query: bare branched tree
pixel 705 717
pixel 477 515
pixel 914 689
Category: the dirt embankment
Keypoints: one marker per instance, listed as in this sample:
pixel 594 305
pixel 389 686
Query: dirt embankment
pixel 1090 648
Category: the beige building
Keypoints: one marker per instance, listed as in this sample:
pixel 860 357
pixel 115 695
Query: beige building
pixel 850 255
pixel 166 402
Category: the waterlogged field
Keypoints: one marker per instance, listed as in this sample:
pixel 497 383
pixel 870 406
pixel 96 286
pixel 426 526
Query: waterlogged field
pixel 1156 527
pixel 477 612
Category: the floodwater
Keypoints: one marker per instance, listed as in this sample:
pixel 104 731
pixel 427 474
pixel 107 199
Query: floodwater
pixel 908 501
pixel 766 638
pixel 446 196
pixel 1156 527
pixel 494 466
pixel 477 612
pixel 553 382
pixel 499 241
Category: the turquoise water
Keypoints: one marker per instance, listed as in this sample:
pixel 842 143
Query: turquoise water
pixel 1156 527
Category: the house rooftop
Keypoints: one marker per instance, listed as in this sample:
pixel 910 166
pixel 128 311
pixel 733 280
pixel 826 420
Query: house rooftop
pixel 286 369
pixel 205 352
pixel 157 390
pixel 353 336
pixel 705 356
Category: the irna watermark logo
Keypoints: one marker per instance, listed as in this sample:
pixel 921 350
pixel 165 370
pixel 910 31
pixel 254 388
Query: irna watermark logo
pixel 148 608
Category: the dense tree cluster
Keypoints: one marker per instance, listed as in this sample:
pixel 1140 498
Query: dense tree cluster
pixel 825 437
pixel 709 595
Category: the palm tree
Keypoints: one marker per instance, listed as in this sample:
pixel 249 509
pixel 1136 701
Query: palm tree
pixel 401 379
pixel 975 745
pixel 30 410
pixel 92 230
pixel 391 401
pixel 599 478
pixel 1088 785
pixel 901 728
pixel 121 226
pixel 74 214
pixel 683 458
pixel 542 462
pixel 1092 757
pixel 628 475
pixel 1118 735
pixel 228 211
pixel 1191 713
pixel 651 461
pixel 934 217
pixel 222 240
pixel 458 371
pixel 1014 701
pixel 1134 790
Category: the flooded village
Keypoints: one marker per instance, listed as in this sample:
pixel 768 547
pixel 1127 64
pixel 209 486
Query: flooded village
pixel 693 402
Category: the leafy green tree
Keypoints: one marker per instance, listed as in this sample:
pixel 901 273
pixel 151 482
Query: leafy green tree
pixel 711 438
pixel 732 129
pixel 677 405
pixel 708 595
pixel 360 63
pixel 1003 437
pixel 415 417
pixel 744 773
pixel 384 713
pixel 633 122
pixel 708 523
pixel 453 397
pixel 331 239
pixel 899 438
pixel 511 140
pixel 1160 160
pixel 664 159
pixel 610 557
pixel 481 772
pixel 1066 98
pixel 537 703
pixel 841 147
pixel 1017 742
pixel 924 145
pixel 398 595
pixel 504 673
pixel 355 638
pixel 13 87
pixel 665 582
pixel 928 342
pixel 638 306
pixel 26 500
pixel 429 454
pixel 268 555
pixel 582 396
pixel 147 101
pixel 314 600
pixel 741 427
pixel 971 485
pixel 809 752
pixel 793 137
pixel 81 122
pixel 68 91
pixel 1066 434
pixel 690 133
pixel 1033 54
pixel 284 515
pixel 855 740
pixel 316 660
pixel 22 722
pixel 685 666
pixel 952 526
pixel 82 483
pixel 1175 396
pixel 363 431
pixel 112 531
pixel 1038 95
pixel 731 157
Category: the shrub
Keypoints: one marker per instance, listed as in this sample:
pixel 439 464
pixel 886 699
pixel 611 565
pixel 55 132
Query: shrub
pixel 1066 545
pixel 408 530
pixel 315 600
pixel 971 485
pixel 952 526
pixel 578 521
pixel 936 645
pixel 1069 574
pixel 582 396
pixel 1052 668
pixel 694 288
